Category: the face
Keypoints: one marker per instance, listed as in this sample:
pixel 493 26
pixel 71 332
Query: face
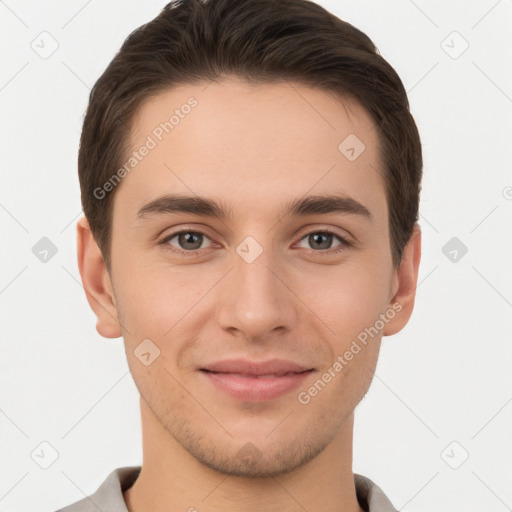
pixel 263 282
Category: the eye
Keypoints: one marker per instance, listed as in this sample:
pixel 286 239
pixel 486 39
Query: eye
pixel 322 240
pixel 189 242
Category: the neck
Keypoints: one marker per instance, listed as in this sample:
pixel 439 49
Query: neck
pixel 172 479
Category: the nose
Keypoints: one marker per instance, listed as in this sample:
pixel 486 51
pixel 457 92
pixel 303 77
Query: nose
pixel 254 299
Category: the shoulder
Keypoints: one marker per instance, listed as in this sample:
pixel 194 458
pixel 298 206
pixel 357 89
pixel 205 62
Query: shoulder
pixel 109 495
pixel 370 496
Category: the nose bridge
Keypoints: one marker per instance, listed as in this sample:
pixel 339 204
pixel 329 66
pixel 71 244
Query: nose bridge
pixel 255 301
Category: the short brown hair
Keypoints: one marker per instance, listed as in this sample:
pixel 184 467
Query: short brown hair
pixel 260 41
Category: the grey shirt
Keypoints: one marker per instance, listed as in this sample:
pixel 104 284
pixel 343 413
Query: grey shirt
pixel 109 496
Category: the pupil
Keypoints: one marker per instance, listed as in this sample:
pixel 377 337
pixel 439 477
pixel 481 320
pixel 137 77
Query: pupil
pixel 188 237
pixel 325 236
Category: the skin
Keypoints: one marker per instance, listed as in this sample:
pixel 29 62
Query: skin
pixel 253 147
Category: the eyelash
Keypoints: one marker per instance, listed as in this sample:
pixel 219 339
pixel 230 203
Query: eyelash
pixel 345 244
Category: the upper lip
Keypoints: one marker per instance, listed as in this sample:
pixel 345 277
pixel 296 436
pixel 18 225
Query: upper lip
pixel 246 367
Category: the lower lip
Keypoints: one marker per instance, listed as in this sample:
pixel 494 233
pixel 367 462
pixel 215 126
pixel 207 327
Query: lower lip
pixel 256 389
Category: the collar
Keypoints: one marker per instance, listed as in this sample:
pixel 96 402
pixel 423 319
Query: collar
pixel 109 495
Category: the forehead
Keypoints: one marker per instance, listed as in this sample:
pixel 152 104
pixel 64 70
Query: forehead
pixel 246 142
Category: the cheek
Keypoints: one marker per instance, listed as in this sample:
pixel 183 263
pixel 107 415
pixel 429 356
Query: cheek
pixel 153 299
pixel 346 299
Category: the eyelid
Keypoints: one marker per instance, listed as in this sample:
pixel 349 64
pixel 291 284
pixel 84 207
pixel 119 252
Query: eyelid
pixel 346 242
pixel 322 228
pixel 171 235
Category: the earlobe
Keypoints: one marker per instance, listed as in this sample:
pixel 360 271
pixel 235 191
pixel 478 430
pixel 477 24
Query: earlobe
pixel 96 282
pixel 406 280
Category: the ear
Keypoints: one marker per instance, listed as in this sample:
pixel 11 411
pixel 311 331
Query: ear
pixel 96 282
pixel 405 282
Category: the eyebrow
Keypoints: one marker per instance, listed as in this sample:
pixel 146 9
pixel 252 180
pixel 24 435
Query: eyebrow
pixel 204 207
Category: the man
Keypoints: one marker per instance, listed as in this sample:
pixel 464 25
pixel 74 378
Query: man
pixel 250 177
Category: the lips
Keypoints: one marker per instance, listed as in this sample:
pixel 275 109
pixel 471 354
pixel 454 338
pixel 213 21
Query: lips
pixel 275 367
pixel 254 381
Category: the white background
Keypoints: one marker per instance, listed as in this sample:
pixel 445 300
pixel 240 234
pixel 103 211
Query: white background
pixel 446 377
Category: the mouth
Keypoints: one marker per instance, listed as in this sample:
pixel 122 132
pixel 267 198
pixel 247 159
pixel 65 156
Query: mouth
pixel 256 381
pixel 254 376
pixel 277 367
